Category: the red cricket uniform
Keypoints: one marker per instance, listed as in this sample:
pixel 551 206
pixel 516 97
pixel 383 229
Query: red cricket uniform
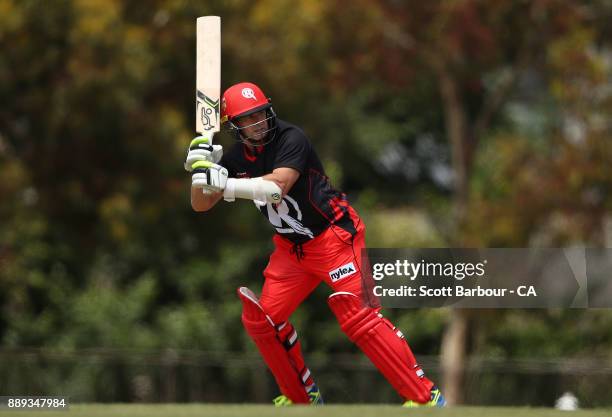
pixel 319 237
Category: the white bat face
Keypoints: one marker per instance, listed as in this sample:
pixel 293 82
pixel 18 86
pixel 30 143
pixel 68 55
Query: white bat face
pixel 208 73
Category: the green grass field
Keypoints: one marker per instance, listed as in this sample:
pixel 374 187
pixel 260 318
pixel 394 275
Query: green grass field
pixel 207 410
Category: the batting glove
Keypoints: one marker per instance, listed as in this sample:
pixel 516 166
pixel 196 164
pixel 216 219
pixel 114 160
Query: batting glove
pixel 200 149
pixel 209 176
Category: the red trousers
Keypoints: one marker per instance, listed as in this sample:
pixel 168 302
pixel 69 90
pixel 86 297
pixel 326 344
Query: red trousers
pixel 334 257
pixel 289 280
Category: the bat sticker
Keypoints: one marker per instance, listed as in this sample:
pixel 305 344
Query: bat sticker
pixel 205 108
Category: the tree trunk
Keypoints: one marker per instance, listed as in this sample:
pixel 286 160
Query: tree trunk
pixel 454 340
pixel 453 356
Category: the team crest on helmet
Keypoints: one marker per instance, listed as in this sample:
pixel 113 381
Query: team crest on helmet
pixel 248 93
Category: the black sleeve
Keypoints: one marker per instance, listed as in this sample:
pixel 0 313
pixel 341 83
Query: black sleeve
pixel 293 151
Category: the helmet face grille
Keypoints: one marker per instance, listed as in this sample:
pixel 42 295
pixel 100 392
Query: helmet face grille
pixel 263 138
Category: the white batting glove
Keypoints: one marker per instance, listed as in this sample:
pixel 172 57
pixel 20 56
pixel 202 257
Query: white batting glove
pixel 200 149
pixel 210 177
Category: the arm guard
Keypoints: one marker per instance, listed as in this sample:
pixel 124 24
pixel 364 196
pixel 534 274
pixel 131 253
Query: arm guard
pixel 256 189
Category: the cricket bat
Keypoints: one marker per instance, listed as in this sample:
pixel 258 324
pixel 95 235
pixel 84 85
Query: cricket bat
pixel 208 74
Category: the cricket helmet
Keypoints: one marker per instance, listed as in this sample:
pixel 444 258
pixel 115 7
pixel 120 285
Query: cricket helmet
pixel 241 100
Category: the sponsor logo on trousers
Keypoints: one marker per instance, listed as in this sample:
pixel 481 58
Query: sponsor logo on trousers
pixel 343 271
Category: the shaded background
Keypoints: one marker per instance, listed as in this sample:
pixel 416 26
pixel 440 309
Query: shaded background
pixel 448 123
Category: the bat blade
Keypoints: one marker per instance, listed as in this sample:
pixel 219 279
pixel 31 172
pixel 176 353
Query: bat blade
pixel 208 73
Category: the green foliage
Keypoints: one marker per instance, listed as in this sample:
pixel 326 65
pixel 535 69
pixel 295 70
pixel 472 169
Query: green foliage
pixel 100 249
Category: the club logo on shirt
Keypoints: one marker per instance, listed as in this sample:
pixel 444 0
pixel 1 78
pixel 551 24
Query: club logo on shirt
pixel 343 271
pixel 287 218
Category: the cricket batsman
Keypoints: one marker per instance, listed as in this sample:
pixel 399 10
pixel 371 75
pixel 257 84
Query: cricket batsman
pixel 319 238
